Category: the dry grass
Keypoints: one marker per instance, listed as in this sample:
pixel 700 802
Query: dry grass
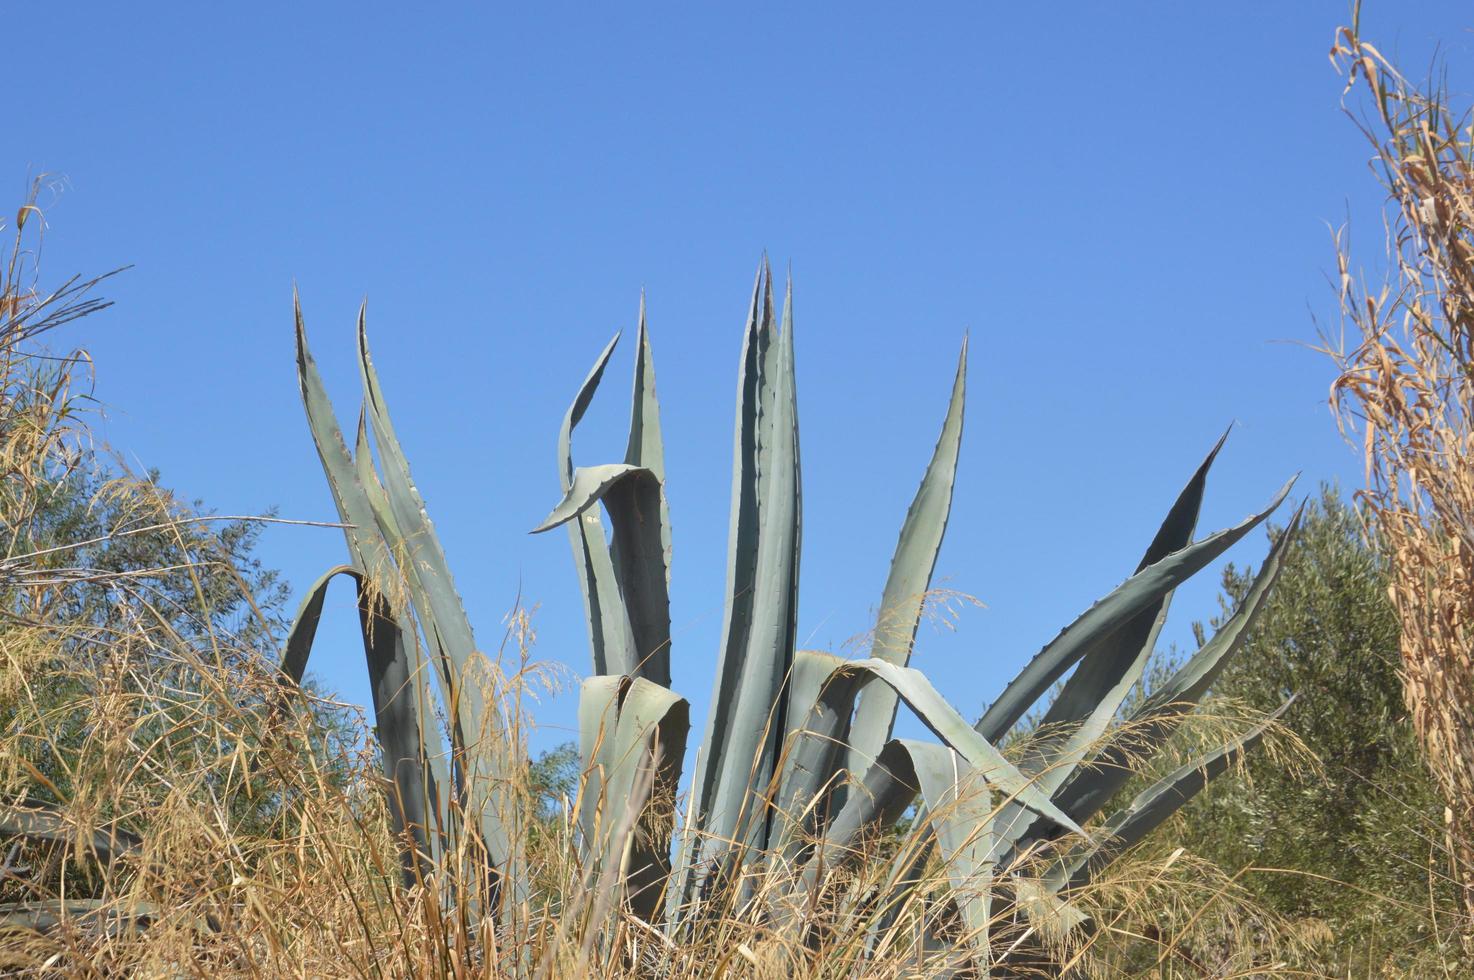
pixel 1405 393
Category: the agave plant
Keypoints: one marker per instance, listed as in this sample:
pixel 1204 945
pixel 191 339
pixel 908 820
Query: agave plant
pixel 798 762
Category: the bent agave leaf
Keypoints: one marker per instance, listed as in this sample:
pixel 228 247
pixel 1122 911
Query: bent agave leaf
pixel 961 813
pixel 626 725
pixel 416 774
pixel 947 724
pixel 633 498
pixel 609 634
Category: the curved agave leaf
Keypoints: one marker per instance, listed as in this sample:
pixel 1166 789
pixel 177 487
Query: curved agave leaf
pixel 910 576
pixel 609 634
pixel 885 790
pixel 626 725
pixel 948 725
pixel 393 683
pixel 633 497
pixel 1151 807
pixel 820 707
pixel 960 811
pixel 1141 591
pixel 587 488
pixel 889 784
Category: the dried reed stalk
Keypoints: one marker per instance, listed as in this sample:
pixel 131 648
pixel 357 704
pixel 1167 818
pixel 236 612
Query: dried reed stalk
pixel 1405 393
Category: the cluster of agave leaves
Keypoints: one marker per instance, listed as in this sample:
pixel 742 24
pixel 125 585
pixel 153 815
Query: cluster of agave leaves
pixel 798 763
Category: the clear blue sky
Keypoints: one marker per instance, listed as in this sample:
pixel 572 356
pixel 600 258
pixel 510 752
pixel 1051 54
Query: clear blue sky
pixel 1128 205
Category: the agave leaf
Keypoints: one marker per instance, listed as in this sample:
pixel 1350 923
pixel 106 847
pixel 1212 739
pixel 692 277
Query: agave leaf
pixel 910 576
pixel 444 619
pixel 106 917
pixel 1141 591
pixel 961 813
pixel 1072 727
pixel 746 724
pixel 742 549
pixel 365 544
pixel 298 646
pixel 627 725
pixel 1109 670
pixel 368 479
pixel 1151 807
pixel 948 725
pixel 587 488
pixel 609 633
pixel 371 598
pixel 1092 786
pixel 598 719
pixel 820 706
pixel 397 717
pixel 47 825
pixel 634 499
pixel 576 412
pixel 756 723
pixel 646 447
pixel 644 575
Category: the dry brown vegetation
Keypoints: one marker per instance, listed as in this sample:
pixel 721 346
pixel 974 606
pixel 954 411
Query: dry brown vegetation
pixel 1406 392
